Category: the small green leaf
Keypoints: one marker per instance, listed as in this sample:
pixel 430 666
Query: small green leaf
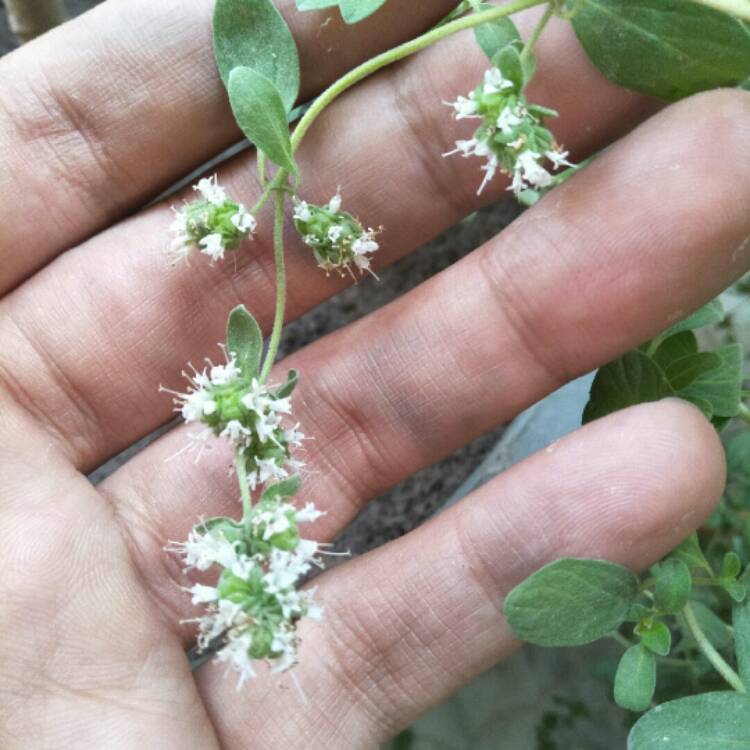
pixel 282 490
pixel 252 34
pixel 675 347
pixel 260 113
pixel 737 591
pixel 741 623
pixel 730 566
pixel 352 11
pixel 721 386
pixel 494 35
pixel 665 48
pixel 710 721
pixel 635 680
pixel 707 315
pixel 286 388
pixel 508 61
pixel 244 341
pixel 684 371
pixel 571 602
pixel 633 379
pixel 673 585
pixel 690 552
pixel 656 637
pixel 231 529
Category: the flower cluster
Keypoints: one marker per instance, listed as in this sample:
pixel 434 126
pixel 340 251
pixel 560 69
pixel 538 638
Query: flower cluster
pixel 213 224
pixel 254 608
pixel 511 137
pixel 337 239
pixel 246 412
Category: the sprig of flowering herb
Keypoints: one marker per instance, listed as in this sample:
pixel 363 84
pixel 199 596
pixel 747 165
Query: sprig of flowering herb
pixel 255 606
pixel 212 224
pixel 338 240
pixel 511 137
pixel 246 412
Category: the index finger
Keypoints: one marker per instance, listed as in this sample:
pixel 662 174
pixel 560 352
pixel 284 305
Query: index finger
pixel 103 113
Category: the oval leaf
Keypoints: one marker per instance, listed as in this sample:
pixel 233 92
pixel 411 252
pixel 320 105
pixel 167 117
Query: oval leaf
pixel 260 114
pixel 657 638
pixel 711 721
pixel 494 35
pixel 673 585
pixel 633 379
pixel 571 602
pixel 252 34
pixel 635 680
pixel 244 341
pixel 666 48
pixel 721 386
pixel 683 371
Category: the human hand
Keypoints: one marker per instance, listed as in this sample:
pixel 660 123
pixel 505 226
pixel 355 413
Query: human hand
pixel 100 115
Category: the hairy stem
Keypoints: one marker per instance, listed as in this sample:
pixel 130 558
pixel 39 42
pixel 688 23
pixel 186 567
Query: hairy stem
pixel 278 249
pixel 399 53
pixel 241 469
pixel 710 652
pixel 528 48
pixel 30 18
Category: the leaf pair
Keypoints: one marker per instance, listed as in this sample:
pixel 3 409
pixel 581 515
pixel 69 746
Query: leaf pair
pixel 671 365
pixel 259 64
pixel 502 44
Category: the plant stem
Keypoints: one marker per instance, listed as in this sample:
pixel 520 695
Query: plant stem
pixel 710 652
pixel 241 469
pixel 30 18
pixel 353 77
pixel 738 8
pixel 528 48
pixel 278 321
pixel 744 413
pixel 399 53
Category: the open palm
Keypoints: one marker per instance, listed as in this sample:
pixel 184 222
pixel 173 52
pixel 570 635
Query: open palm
pixel 100 115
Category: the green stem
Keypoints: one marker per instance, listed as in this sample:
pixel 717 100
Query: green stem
pixel 399 53
pixel 241 469
pixel 710 652
pixel 528 48
pixel 278 248
pixel 744 413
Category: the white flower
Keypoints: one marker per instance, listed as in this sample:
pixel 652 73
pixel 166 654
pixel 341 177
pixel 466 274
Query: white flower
pixel 235 431
pixel 334 233
pixel 236 655
pixel 202 550
pixel 211 191
pixel 528 171
pixel 559 158
pixel 276 522
pixel 244 221
pixel 224 374
pixel 308 514
pixel 495 82
pixel 291 603
pixel 465 107
pixel 301 210
pixel 203 594
pixel 197 404
pixel 213 246
pixel 489 169
pixel 285 642
pixel 334 205
pixel 365 244
pixel 507 120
